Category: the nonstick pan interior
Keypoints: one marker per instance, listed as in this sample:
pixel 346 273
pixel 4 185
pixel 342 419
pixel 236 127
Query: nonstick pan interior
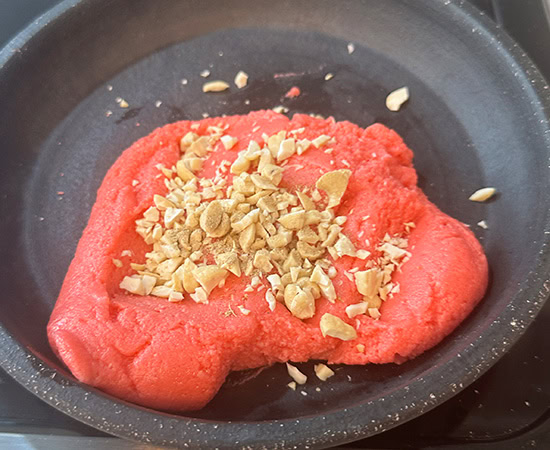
pixel 474 119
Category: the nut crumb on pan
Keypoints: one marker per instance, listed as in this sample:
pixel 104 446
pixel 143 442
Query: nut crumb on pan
pixel 397 98
pixel 483 224
pixel 292 385
pixel 483 194
pixel 323 372
pixel 123 104
pixel 280 109
pixel 295 374
pixel 329 76
pixel 205 73
pixel 241 79
pixel 351 48
pixel 215 86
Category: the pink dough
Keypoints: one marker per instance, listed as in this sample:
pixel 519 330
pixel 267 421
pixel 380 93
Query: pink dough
pixel 175 356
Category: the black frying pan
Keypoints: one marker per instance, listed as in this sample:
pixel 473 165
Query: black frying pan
pixel 478 115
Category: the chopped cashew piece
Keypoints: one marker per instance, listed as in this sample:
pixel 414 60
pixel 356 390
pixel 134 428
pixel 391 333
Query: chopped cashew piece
pixel 270 299
pixel 335 327
pixel 215 86
pixel 374 313
pixel 357 309
pixel 293 220
pixel 395 99
pixel 334 184
pixel 209 276
pixel 175 297
pixel 323 371
pixel 320 140
pixel 241 79
pixel 300 302
pixel 211 217
pixel 243 310
pixel 368 281
pixel 228 141
pixel 133 284
pixel 483 194
pixel 295 374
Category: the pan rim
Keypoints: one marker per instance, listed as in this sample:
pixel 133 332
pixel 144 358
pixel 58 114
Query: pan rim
pixel 23 365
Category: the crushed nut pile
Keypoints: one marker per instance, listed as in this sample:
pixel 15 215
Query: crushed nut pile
pixel 203 230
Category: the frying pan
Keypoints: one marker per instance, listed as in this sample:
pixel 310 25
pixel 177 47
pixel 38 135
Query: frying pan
pixel 478 115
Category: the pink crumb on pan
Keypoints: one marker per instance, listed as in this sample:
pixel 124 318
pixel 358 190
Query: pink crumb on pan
pixel 293 92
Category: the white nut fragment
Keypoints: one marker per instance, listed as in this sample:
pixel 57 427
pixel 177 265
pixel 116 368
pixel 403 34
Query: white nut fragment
pixel 211 217
pixel 335 327
pixel 395 99
pixel 300 302
pixel 344 247
pixel 325 283
pixel 395 253
pixel 133 285
pixel 334 184
pixel 270 299
pixel 199 296
pixel 215 86
pixel 171 215
pixel 374 313
pixel 241 79
pixel 483 194
pixel 183 172
pixel 292 385
pixel 243 310
pixel 117 262
pixel 161 291
pixel 185 274
pixel 228 141
pixel 240 165
pixel 294 220
pixel 229 261
pixel 357 309
pixel 148 283
pixel 319 141
pixel 295 374
pixel 175 297
pixel 368 281
pixel 209 276
pixel 286 149
pixel 306 202
pixel 275 281
pixel 151 214
pixel 323 371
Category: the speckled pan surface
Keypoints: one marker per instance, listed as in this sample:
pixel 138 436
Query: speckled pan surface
pixel 478 116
